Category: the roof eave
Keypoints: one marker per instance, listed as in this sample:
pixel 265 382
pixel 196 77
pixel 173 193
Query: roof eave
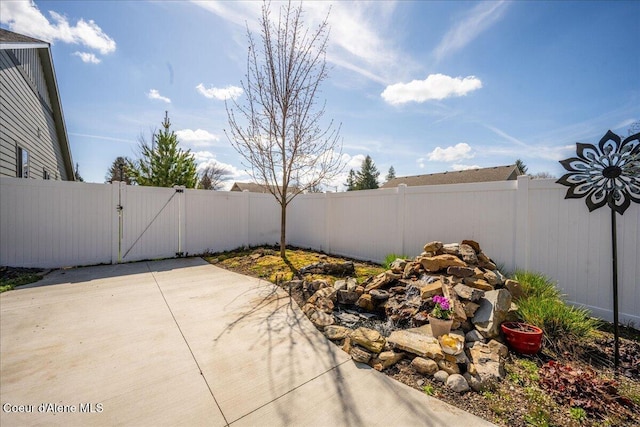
pixel 58 116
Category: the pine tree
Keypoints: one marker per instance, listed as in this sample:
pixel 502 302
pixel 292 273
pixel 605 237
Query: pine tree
pixel 351 181
pixel 367 177
pixel 76 173
pixel 523 168
pixel 163 164
pixel 391 174
pixel 119 171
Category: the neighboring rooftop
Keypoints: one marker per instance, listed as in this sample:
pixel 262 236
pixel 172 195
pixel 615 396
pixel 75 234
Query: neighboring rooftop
pixel 496 173
pixel 7 36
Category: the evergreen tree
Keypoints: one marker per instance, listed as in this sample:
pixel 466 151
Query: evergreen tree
pixel 391 174
pixel 523 168
pixel 76 173
pixel 367 176
pixel 351 181
pixel 163 164
pixel 118 171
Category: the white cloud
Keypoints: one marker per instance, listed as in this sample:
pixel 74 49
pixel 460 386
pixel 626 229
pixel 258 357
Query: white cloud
pixel 88 57
pixel 461 167
pixel 197 138
pixel 208 159
pixel 479 19
pixel 420 162
pixel 451 154
pixel 435 86
pixel 229 92
pixel 154 94
pixel 362 33
pixel 24 17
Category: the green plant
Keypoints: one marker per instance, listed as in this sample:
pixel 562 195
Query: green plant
pixel 429 390
pixel 537 417
pixel 578 414
pixel 541 304
pixel 388 260
pixel 23 279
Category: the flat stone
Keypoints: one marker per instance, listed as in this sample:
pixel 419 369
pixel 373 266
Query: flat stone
pixel 379 294
pixel 473 336
pixel 487 363
pixel 468 293
pixel 347 297
pixel 457 383
pixel 324 304
pixel 348 318
pixel 498 347
pixel 336 333
pixel 412 269
pixel 460 271
pixel 360 355
pixel 368 338
pixel 451 249
pixel 424 366
pixel 485 262
pixel 440 262
pixel 481 284
pixel 416 343
pixel 470 308
pixel 491 278
pixel 430 289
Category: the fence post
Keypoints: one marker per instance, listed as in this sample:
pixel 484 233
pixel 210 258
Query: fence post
pixel 247 212
pixel 522 224
pixel 116 231
pixel 400 217
pixel 327 223
pixel 182 217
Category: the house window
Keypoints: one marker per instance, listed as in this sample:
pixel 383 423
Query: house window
pixel 45 174
pixel 22 169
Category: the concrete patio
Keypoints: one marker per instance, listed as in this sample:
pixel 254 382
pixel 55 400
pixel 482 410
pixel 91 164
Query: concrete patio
pixel 182 342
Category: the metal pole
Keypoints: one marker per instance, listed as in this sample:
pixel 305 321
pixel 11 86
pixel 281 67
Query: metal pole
pixel 616 332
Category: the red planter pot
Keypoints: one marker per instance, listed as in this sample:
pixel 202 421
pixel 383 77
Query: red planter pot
pixel 522 337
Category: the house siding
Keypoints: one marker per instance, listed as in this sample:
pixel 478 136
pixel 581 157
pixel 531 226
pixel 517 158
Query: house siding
pixel 26 117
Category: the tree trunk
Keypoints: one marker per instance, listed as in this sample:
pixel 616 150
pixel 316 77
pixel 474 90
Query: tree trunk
pixel 283 230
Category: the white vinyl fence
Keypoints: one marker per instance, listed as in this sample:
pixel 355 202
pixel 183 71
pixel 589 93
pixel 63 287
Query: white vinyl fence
pixel 523 224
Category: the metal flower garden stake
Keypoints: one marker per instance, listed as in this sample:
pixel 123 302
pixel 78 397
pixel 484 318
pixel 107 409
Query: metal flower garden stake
pixel 608 174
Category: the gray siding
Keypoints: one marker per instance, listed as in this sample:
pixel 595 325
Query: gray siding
pixel 26 118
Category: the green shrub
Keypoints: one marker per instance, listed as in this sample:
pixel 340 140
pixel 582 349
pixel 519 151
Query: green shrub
pixel 536 285
pixel 23 279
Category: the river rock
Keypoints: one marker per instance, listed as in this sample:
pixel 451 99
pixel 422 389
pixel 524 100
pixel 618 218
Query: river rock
pixel 473 381
pixel 441 376
pixel 457 383
pixel 424 366
pixel 369 339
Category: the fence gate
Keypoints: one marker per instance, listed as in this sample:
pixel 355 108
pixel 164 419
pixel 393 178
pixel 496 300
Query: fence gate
pixel 150 222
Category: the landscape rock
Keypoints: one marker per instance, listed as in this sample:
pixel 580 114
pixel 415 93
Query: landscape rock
pixel 347 297
pixel 473 336
pixel 336 332
pixel 416 343
pixel 369 339
pixel 398 265
pixel 473 381
pixel 499 348
pixel 441 376
pixel 485 262
pixel 429 290
pixel 470 308
pixel 487 363
pixel 468 293
pixel 439 262
pixel 321 319
pixel 475 245
pixel 360 355
pixel 448 366
pixel 468 254
pixel 433 247
pixel 348 318
pixel 379 294
pixel 491 278
pixel 386 359
pixel 328 292
pixel 346 268
pixel 481 284
pixel 324 304
pixel 514 288
pixel 457 383
pixel 451 249
pixel 424 366
pixel 492 312
pixel 412 269
pixel 365 301
pixel 460 271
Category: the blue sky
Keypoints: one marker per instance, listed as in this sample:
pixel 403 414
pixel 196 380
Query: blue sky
pixel 424 86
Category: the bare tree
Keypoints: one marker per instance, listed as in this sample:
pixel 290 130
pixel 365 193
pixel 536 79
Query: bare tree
pixel 213 177
pixel 278 129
